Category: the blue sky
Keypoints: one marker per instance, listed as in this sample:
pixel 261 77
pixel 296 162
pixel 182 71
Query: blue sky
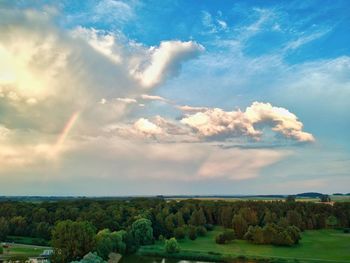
pixel 117 97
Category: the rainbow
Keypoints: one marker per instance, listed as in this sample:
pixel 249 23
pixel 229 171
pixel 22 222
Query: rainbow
pixel 63 135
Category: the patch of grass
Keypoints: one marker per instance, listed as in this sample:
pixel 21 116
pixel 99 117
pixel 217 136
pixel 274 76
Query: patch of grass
pixel 27 240
pixel 315 246
pixel 21 251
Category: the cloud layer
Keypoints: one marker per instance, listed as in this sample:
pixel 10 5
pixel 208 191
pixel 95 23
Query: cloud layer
pixel 217 122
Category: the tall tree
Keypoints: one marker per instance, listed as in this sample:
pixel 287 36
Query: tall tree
pixel 142 231
pixel 72 240
pixel 239 225
pixel 197 218
pixel 4 228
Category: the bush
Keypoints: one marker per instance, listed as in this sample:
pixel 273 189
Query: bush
pixel 192 233
pixel 171 246
pixel 201 231
pixel 273 234
pixel 1 250
pixel 209 227
pixel 346 230
pixel 179 233
pixel 220 239
pixel 91 258
pixel 226 236
pixel 161 238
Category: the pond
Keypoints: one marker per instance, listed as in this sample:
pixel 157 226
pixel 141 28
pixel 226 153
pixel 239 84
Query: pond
pixel 144 259
pixel 138 259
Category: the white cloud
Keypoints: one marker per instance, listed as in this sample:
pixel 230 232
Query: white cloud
pixel 217 122
pixel 153 97
pixel 4 132
pixel 191 109
pixel 127 100
pixel 147 128
pixel 165 61
pixel 304 39
pixel 113 11
pixel 104 42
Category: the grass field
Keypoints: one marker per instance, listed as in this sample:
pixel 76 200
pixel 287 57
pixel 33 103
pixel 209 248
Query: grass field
pixel 316 246
pixel 27 240
pixel 21 252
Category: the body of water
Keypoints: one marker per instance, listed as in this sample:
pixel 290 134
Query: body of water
pixel 140 259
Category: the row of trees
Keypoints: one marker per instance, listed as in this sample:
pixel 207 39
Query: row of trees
pixel 38 219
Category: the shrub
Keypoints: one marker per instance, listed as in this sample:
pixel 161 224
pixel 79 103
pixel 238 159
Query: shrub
pixel 226 236
pixel 1 250
pixel 346 230
pixel 192 233
pixel 171 246
pixel 201 231
pixel 179 233
pixel 220 239
pixel 255 235
pixel 91 258
pixel 209 227
pixel 161 238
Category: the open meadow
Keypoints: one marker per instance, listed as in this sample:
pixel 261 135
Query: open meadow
pixel 315 246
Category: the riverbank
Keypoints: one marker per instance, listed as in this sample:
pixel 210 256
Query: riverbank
pixel 317 246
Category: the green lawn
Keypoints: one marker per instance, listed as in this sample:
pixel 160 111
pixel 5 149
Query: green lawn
pixel 316 246
pixel 27 240
pixel 21 251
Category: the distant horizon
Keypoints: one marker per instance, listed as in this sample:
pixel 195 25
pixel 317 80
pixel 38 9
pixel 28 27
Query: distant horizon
pixel 173 195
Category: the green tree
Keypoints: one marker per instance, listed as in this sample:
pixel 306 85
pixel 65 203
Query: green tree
pixel 72 240
pixel 224 237
pixel 179 233
pixel 269 232
pixel 332 221
pixel 118 239
pixel 43 230
pixel 91 258
pixel 240 226
pixel 290 199
pixel 249 215
pixel 294 234
pixel 171 246
pixel 18 226
pixel 198 218
pixel 269 217
pixel 325 198
pixel 255 234
pixel 104 243
pixel 4 228
pixel 226 216
pixel 201 231
pixel 142 231
pixel 294 218
pixel 179 219
pixel 282 238
pixel 170 223
pixel 192 232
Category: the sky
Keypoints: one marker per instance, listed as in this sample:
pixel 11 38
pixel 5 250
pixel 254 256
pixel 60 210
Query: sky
pixel 113 97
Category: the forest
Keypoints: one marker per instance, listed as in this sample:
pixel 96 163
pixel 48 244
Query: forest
pixel 76 227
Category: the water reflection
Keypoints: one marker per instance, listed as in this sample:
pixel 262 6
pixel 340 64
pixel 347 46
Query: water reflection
pixel 138 259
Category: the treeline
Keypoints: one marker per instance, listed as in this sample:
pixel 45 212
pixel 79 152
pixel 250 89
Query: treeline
pixel 122 226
